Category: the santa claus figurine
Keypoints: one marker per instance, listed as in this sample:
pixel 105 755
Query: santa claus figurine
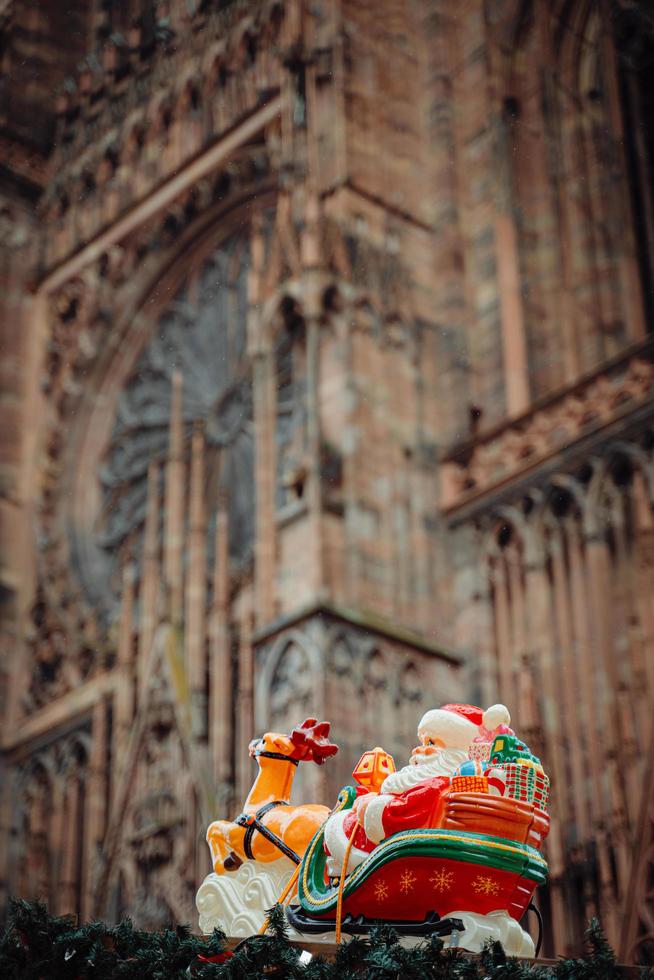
pixel 412 796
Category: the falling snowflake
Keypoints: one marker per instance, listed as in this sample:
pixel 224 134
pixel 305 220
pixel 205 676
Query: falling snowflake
pixel 442 880
pixel 381 891
pixel 484 885
pixel 407 881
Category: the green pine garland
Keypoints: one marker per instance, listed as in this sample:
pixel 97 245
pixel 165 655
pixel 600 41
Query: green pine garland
pixel 38 946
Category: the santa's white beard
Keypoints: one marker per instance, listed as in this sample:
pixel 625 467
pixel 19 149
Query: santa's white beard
pixel 443 763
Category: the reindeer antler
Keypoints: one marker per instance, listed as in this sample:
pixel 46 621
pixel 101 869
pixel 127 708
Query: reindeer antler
pixel 313 737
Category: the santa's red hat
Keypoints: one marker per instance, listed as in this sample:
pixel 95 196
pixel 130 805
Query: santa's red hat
pixel 458 724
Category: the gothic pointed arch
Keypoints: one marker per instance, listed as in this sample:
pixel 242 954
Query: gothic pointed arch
pixel 186 311
pixel 576 179
pixel 289 690
pixel 288 682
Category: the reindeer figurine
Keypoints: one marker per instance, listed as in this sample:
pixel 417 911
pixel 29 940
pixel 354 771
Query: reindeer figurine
pixel 269 826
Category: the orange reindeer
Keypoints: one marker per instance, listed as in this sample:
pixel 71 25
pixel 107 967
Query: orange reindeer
pixel 269 826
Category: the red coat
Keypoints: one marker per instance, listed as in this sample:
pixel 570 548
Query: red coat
pixel 388 814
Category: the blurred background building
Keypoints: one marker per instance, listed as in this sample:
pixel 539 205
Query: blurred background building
pixel 327 388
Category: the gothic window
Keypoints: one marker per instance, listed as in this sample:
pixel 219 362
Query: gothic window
pixel 344 667
pixel 201 333
pixel 412 701
pixel 577 144
pixel 290 376
pixel 377 698
pixel 634 42
pixel 291 689
pixel 291 700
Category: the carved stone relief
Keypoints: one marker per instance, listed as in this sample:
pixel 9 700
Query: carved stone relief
pixel 291 690
pixel 375 689
pixel 46 857
pixel 154 863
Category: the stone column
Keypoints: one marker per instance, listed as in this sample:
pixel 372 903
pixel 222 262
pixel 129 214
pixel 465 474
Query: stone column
pixel 195 625
pixel 95 817
pixel 174 505
pixel 503 633
pixel 569 684
pixel 264 411
pixel 124 698
pixel 68 882
pixel 150 583
pixel 245 705
pixel 222 690
pixel 264 435
pixel 514 343
pixel 314 446
pixel 541 643
pixel 580 616
pixel 58 823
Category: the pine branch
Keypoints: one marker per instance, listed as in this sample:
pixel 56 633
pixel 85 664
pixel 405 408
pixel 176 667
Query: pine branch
pixel 38 946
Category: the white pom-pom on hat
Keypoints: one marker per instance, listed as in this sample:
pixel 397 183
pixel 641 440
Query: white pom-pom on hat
pixel 497 714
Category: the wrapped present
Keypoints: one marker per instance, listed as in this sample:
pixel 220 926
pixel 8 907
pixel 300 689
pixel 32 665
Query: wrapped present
pixel 510 748
pixel 496 779
pixel 469 784
pixel 471 767
pixel 480 750
pixel 529 784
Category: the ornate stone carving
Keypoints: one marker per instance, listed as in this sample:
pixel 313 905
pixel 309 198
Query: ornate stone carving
pixel 44 858
pixel 152 856
pixel 504 454
pixel 57 665
pixel 225 64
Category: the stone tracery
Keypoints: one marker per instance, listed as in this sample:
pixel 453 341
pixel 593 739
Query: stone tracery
pixel 571 621
pixel 201 334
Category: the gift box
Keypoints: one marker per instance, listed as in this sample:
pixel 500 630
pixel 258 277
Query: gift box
pixel 480 751
pixel 471 767
pixel 528 784
pixel 469 784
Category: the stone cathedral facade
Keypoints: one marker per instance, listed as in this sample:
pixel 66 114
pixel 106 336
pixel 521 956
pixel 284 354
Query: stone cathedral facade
pixel 327 389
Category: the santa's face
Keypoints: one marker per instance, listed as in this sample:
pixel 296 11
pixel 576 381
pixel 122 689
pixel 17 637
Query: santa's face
pixel 430 758
pixel 428 748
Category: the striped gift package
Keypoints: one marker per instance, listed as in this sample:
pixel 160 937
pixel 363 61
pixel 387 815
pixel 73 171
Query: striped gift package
pixel 527 784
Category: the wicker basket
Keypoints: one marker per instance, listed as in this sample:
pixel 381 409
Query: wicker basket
pixel 496 815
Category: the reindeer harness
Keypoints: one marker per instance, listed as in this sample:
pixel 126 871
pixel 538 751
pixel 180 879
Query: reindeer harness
pixel 252 821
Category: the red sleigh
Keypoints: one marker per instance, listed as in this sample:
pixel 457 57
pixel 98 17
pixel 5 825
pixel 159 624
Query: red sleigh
pixel 483 857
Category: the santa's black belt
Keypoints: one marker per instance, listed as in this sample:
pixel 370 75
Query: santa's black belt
pixel 252 822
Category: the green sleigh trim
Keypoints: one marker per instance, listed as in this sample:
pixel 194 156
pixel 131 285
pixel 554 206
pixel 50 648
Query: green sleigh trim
pixel 495 852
